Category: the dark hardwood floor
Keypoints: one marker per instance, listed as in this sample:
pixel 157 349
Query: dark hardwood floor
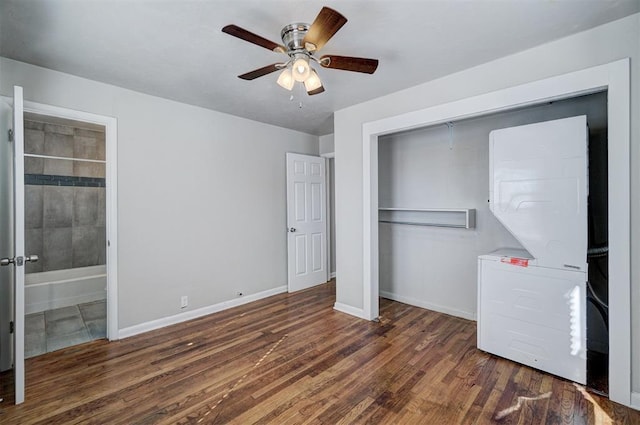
pixel 292 359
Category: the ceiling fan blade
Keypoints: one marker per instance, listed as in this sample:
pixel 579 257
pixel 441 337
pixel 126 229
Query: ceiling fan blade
pixel 316 91
pixel 252 75
pixel 245 35
pixel 348 63
pixel 327 23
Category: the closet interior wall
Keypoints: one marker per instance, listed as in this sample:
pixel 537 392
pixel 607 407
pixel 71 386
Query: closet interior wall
pixel 442 167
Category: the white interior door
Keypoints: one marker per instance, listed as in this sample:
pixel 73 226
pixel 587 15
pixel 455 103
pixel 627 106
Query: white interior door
pixel 306 221
pixel 6 234
pixel 16 258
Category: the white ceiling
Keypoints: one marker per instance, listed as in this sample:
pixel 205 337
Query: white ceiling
pixel 175 48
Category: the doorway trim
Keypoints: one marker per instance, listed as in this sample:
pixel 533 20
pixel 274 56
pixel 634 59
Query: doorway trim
pixel 328 157
pixel 111 156
pixel 614 78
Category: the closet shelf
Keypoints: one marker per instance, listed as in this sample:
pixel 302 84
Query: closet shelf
pixel 463 218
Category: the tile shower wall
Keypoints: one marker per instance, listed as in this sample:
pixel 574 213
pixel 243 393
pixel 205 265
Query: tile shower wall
pixel 65 199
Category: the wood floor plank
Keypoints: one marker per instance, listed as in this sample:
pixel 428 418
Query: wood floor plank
pixel 293 359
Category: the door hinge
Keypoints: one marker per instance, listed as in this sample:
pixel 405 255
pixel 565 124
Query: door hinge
pixel 11 327
pixel 10 135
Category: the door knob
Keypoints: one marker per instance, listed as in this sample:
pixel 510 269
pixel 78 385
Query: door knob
pixel 18 260
pixel 292 229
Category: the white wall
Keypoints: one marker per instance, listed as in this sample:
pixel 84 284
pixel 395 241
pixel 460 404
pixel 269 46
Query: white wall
pixel 201 194
pixel 436 267
pixel 326 144
pixel 600 45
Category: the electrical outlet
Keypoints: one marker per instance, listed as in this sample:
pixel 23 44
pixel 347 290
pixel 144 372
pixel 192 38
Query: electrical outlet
pixel 184 301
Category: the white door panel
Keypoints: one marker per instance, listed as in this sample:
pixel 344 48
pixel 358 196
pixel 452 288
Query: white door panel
pixel 299 201
pixel 6 235
pixel 18 207
pixel 317 203
pixel 306 221
pixel 14 257
pixel 301 254
pixel 317 251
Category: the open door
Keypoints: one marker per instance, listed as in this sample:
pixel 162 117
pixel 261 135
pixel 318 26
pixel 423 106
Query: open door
pixel 13 256
pixel 306 221
pixel 6 242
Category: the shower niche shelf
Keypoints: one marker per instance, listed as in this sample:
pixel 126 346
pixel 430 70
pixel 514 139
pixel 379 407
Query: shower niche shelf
pixel 434 217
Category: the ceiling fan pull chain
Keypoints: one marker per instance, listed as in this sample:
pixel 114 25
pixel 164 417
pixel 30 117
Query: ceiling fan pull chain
pixel 300 104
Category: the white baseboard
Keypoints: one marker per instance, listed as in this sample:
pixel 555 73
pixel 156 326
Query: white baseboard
pixel 332 275
pixel 193 314
pixel 353 311
pixel 429 306
pixel 635 400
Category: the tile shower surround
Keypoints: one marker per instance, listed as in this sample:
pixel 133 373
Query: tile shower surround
pixel 65 200
pixel 49 180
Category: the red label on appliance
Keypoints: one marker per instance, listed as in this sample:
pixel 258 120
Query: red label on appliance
pixel 522 262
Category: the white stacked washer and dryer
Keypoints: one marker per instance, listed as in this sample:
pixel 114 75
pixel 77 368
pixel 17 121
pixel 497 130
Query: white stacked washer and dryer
pixel 532 301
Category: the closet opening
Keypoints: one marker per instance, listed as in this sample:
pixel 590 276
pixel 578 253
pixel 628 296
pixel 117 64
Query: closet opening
pixel 434 218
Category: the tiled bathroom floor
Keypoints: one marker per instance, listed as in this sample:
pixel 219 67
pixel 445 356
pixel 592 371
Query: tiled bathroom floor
pixel 63 327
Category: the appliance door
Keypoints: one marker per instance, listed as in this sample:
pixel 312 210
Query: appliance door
pixel 533 315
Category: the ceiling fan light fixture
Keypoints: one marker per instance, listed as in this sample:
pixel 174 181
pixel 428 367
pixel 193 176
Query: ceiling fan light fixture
pixel 313 81
pixel 300 68
pixel 300 41
pixel 285 80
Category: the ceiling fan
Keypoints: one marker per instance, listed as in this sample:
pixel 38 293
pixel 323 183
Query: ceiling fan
pixel 300 42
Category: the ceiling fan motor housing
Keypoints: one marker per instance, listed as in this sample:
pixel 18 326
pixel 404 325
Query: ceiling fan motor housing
pixel 293 34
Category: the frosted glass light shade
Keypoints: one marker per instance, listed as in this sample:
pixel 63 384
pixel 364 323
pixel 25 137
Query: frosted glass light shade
pixel 285 80
pixel 313 81
pixel 301 69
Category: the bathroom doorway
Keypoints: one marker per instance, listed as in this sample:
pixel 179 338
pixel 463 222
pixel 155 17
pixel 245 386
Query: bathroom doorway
pixel 65 225
pixel 12 338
